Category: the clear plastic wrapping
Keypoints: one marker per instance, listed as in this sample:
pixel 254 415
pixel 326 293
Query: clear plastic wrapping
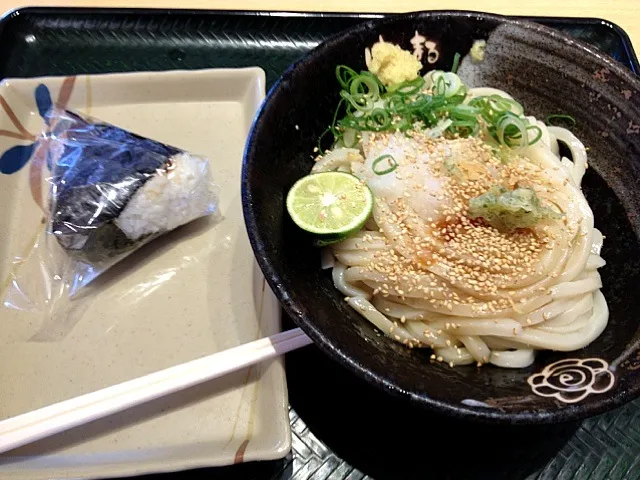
pixel 110 192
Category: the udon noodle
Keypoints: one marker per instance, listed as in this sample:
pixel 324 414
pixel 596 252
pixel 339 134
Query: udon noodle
pixel 429 275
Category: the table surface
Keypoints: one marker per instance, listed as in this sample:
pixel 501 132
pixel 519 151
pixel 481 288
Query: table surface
pixel 621 12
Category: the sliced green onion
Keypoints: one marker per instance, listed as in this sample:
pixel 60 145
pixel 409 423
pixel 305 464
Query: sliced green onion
pixel 441 85
pixel 391 161
pixel 331 128
pixel 493 106
pixel 367 81
pixel 510 128
pixel 502 104
pixel 397 104
pixel 368 105
pixel 513 131
pixel 453 83
pixel 375 79
pixel 351 121
pixel 429 78
pixel 403 124
pixel 460 95
pixel 538 136
pixel 410 87
pixel 320 149
pixel 499 104
pixel 361 102
pixel 344 75
pixel 378 121
pixel 456 63
pixel 464 112
pixel 465 127
pixel 558 119
pixel 446 84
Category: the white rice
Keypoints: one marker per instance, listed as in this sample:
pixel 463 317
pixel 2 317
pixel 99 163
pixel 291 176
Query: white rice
pixel 170 199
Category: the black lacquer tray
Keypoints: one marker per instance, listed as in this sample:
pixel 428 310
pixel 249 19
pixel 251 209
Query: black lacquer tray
pixel 342 428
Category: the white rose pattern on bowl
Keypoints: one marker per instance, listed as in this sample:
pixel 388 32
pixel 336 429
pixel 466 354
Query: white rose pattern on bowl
pixel 572 380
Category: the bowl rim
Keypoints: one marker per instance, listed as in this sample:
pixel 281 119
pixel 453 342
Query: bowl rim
pixel 567 413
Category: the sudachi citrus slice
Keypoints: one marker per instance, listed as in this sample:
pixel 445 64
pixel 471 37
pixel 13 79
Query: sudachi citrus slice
pixel 329 203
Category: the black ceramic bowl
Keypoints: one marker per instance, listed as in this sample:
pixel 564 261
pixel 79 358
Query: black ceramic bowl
pixel 548 73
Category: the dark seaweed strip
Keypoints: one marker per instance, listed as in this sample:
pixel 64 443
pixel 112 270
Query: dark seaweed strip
pixel 99 171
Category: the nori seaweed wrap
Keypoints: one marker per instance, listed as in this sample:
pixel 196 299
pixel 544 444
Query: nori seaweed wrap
pixel 113 191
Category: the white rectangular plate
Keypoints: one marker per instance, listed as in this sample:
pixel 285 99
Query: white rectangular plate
pixel 192 293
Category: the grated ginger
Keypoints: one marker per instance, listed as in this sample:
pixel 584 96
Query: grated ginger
pixel 393 65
